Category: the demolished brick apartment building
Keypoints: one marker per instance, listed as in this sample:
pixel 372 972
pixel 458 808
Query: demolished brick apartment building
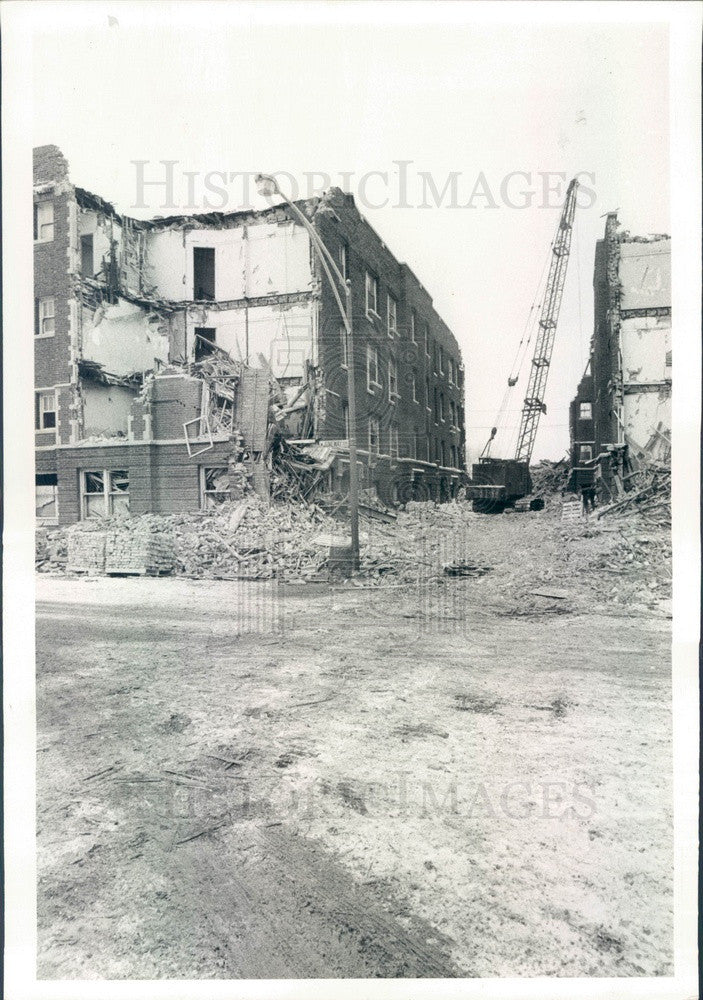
pixel 620 420
pixel 156 343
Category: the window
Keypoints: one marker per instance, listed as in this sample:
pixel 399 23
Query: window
pixel 392 379
pixel 215 487
pixel 436 405
pixel 427 339
pixel 45 410
pixel 374 435
pixel 413 326
pixel 105 493
pixel 46 497
pixel 204 273
pixel 427 391
pixel 452 413
pixel 585 453
pixel 440 360
pixel 87 261
pixel 204 341
pixel 343 259
pixel 44 221
pixel 371 367
pixel 44 317
pixel 371 294
pixel 344 346
pixel 413 382
pixel 585 411
pixel 392 316
pixel 441 406
pixel 393 441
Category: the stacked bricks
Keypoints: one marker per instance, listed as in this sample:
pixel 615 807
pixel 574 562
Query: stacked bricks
pixel 138 549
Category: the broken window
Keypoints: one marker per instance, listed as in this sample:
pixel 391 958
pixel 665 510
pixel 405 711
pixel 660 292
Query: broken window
pixel 344 346
pixel 44 221
pixel 204 341
pixel 44 316
pixel 204 273
pixel 393 441
pixel 45 410
pixel 392 316
pixel 87 259
pixel 104 493
pixel 215 486
pixel 585 411
pixel 585 453
pixel 371 294
pixel 371 366
pixel 374 435
pixel 392 379
pixel 46 497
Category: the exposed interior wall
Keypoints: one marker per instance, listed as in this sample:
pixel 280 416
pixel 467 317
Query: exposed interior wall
pixel 124 338
pixel 647 416
pixel 103 231
pixel 645 274
pixel 284 334
pixel 251 261
pixel 646 346
pixel 106 409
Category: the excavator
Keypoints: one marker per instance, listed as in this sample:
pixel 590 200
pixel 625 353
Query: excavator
pixel 497 483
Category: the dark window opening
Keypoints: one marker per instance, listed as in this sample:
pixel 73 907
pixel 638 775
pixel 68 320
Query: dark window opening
pixel 87 267
pixel 46 496
pixel 204 273
pixel 204 341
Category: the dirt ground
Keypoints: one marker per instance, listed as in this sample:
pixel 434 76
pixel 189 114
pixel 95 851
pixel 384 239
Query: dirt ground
pixel 250 780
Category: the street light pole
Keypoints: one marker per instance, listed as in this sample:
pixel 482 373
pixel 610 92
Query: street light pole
pixel 268 185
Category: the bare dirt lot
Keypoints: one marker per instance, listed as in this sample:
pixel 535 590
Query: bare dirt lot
pixel 245 780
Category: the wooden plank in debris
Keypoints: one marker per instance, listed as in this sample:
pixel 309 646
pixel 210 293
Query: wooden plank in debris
pixel 252 408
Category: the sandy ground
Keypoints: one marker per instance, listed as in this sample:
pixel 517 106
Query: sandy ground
pixel 237 780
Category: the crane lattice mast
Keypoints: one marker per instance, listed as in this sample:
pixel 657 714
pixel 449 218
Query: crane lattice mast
pixel 533 406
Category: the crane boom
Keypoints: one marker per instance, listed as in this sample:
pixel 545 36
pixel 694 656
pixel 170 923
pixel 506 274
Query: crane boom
pixel 533 406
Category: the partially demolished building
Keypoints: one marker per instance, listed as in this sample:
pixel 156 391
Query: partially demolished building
pixel 170 352
pixel 620 419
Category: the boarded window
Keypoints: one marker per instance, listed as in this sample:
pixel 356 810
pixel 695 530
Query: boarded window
pixel 585 411
pixel 45 410
pixel 46 497
pixel 204 341
pixel 204 273
pixel 44 221
pixel 87 263
pixel 215 486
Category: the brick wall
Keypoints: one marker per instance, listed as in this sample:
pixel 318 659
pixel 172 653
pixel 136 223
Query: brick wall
pixel 366 252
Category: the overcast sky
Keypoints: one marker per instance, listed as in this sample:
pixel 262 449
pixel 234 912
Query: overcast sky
pixel 235 89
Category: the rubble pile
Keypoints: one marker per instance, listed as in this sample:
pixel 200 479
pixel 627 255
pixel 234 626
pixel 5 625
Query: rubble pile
pixel 649 497
pixel 550 478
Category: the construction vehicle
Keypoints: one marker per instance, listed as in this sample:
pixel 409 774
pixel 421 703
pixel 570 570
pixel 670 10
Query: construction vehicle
pixel 497 483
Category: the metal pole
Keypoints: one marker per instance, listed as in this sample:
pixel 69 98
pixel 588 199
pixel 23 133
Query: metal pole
pixel 353 469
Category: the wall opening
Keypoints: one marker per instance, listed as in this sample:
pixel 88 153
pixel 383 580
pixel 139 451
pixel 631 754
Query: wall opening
pixel 204 341
pixel 204 273
pixel 87 267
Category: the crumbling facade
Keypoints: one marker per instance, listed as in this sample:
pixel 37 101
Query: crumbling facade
pixel 157 343
pixel 620 419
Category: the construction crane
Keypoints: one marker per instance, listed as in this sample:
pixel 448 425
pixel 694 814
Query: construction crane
pixel 497 482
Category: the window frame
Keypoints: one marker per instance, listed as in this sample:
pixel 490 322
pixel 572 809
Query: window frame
pixel 413 326
pixel 39 413
pixel 393 394
pixel 372 353
pixel 589 405
pixel 374 423
pixel 426 334
pixel 371 282
pixel 413 382
pixel 107 493
pixel 582 449
pixel 393 441
pixel 43 519
pixel 38 225
pixel 391 302
pixel 205 492
pixel 41 316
